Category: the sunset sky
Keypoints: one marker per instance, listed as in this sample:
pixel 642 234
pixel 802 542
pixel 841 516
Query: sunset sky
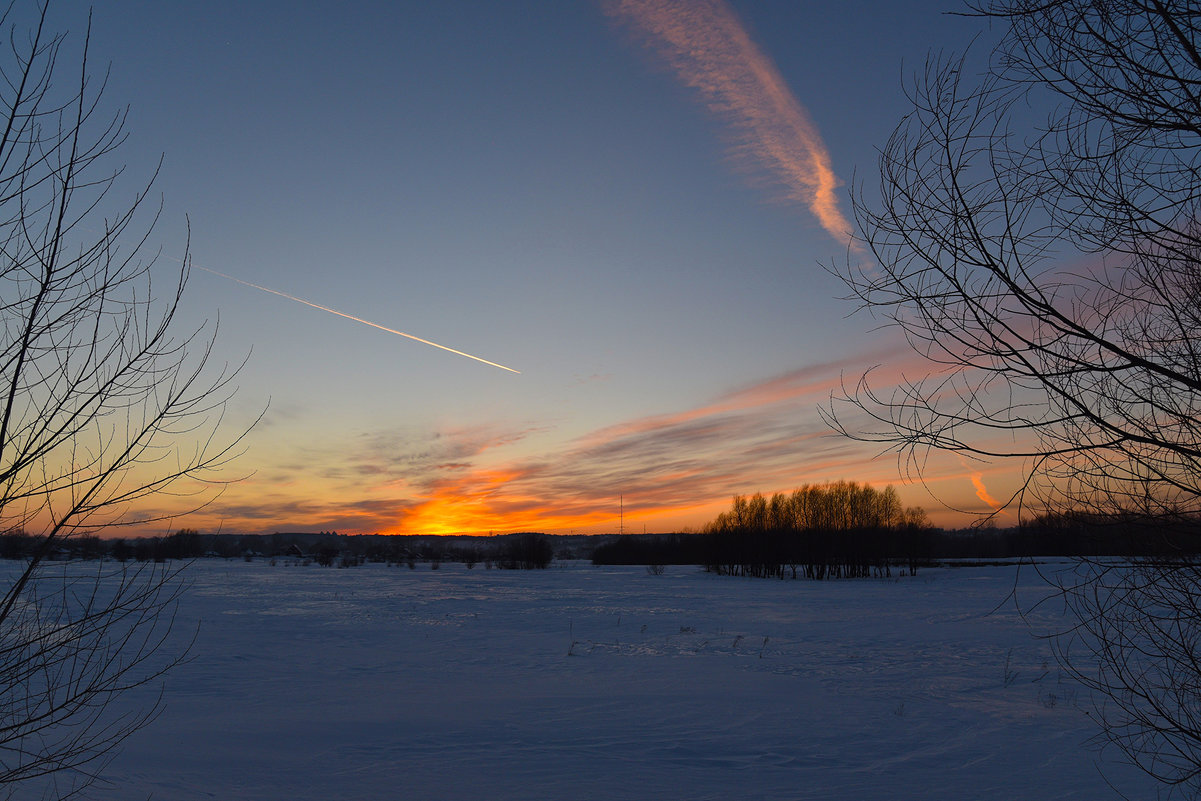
pixel 629 202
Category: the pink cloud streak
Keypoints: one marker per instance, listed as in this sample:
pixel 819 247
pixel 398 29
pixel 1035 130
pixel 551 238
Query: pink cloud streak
pixel 708 47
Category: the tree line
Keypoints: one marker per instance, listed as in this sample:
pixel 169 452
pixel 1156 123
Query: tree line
pixel 521 551
pixel 848 530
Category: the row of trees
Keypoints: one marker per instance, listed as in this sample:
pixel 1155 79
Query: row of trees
pixel 516 551
pixel 841 529
pixel 1081 536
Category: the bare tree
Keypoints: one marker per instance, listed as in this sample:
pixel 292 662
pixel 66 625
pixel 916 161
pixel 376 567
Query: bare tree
pixel 1036 237
pixel 101 406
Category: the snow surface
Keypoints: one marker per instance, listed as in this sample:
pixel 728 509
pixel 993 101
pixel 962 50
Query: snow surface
pixel 583 682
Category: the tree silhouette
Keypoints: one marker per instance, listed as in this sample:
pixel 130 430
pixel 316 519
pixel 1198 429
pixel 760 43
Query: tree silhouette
pixel 1036 238
pixel 98 397
pixel 840 529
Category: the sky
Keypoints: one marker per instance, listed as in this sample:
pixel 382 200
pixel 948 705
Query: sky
pixel 631 204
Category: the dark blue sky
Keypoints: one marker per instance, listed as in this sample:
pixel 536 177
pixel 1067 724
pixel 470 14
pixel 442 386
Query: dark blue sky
pixel 541 184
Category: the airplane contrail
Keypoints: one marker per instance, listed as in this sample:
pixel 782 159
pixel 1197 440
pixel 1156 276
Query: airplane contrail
pixel 356 319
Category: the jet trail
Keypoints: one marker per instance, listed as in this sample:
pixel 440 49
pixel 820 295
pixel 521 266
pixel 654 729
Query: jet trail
pixel 356 319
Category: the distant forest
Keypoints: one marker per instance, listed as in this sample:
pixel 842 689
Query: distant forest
pixel 849 530
pixel 527 550
pixel 821 531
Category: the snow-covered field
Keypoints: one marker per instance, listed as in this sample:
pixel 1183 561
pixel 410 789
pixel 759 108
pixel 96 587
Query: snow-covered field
pixel 582 682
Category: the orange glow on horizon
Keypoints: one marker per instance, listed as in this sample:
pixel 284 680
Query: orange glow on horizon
pixel 677 469
pixel 476 510
pixel 500 501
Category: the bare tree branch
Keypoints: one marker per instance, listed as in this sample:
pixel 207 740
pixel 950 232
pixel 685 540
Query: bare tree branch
pixel 102 404
pixel 1036 236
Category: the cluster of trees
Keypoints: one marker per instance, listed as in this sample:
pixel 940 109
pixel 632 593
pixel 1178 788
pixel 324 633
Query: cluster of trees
pixel 833 506
pixel 842 529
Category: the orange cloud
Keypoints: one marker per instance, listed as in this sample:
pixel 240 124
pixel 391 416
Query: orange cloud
pixel 671 469
pixel 977 478
pixel 982 491
pixel 707 45
pixel 760 437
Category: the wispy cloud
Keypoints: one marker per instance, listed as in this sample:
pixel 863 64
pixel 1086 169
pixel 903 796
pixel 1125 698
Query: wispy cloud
pixel 762 436
pixel 710 49
pixel 671 469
